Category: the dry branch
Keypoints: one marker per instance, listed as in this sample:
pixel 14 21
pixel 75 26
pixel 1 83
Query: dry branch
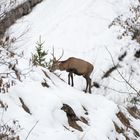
pixel 126 81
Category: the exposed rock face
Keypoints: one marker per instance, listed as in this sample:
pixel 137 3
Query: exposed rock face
pixel 125 125
pixel 16 13
pixel 72 118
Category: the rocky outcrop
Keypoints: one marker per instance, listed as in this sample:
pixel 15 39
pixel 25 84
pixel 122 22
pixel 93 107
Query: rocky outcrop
pixel 16 13
pixel 72 118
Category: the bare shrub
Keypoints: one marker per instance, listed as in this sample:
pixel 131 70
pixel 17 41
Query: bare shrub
pixel 5 6
pixel 122 56
pixel 108 72
pixel 130 24
pixel 8 130
pixel 135 98
pixel 10 72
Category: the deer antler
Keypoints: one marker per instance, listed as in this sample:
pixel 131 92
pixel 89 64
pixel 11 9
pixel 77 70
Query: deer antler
pixel 54 58
pixel 61 55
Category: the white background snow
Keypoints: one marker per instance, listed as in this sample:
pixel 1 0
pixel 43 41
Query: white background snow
pixel 80 28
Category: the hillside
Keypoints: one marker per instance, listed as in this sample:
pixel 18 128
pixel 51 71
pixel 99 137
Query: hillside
pixel 38 104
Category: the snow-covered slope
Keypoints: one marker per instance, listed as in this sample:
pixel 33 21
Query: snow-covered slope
pixel 45 107
pixel 80 28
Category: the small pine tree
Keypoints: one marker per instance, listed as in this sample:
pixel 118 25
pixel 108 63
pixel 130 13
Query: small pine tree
pixel 39 57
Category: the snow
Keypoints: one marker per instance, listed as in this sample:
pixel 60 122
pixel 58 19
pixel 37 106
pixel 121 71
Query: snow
pixel 45 106
pixel 80 28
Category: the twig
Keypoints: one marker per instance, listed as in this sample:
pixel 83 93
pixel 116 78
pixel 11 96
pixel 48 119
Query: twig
pixel 115 89
pixel 2 115
pixel 31 130
pixel 48 76
pixel 127 82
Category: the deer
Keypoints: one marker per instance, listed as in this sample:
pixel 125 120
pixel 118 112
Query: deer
pixel 73 65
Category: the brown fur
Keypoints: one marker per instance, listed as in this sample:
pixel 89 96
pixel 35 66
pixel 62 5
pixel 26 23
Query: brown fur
pixel 82 67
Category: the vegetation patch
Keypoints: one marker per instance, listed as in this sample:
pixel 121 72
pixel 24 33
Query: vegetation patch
pixel 124 120
pixel 86 111
pixel 134 111
pixel 3 105
pixel 24 106
pixel 130 24
pixel 45 84
pixel 108 72
pixel 95 84
pixel 121 57
pixel 118 129
pixel 137 54
pixel 8 133
pixel 38 59
pixel 127 126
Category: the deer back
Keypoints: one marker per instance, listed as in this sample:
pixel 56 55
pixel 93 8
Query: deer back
pixel 77 66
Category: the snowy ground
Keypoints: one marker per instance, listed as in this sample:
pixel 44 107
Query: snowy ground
pixel 45 105
pixel 80 28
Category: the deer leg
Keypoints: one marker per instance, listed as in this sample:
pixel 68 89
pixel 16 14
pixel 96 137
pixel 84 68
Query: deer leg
pixel 69 75
pixel 72 79
pixel 88 84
